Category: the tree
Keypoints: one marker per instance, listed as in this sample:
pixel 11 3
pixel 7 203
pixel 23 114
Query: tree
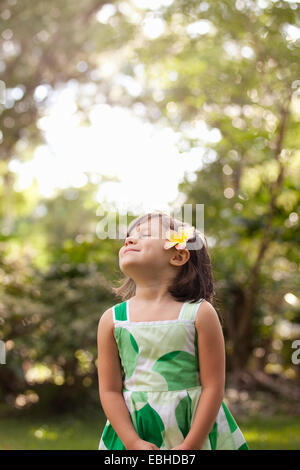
pixel 234 67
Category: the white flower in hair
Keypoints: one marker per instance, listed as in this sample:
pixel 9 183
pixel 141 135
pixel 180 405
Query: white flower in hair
pixel 178 239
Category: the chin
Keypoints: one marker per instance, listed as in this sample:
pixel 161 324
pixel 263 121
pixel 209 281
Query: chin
pixel 123 267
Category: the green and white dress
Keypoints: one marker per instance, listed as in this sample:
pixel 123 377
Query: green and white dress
pixel 161 382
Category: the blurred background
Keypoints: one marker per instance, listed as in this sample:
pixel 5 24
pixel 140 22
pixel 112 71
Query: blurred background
pixel 126 107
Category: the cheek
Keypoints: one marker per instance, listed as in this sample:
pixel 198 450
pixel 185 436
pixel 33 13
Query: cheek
pixel 151 248
pixel 157 250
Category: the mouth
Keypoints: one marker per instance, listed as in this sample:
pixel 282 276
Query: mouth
pixel 129 249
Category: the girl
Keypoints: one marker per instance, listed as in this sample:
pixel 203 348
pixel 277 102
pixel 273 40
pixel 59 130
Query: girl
pixel 161 354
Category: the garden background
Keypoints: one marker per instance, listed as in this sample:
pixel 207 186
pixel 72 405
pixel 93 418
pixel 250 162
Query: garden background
pixel 214 88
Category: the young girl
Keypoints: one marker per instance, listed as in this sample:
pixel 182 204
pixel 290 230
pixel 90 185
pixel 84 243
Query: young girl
pixel 161 354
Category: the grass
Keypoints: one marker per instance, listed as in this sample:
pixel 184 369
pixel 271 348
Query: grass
pixel 83 433
pixel 271 433
pixel 54 433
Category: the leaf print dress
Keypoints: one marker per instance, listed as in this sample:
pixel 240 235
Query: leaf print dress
pixel 161 382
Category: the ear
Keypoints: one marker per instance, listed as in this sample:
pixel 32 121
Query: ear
pixel 179 257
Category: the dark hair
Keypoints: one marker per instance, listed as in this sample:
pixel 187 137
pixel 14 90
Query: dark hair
pixel 195 279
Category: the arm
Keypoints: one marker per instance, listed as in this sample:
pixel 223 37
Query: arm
pixel 211 351
pixel 110 382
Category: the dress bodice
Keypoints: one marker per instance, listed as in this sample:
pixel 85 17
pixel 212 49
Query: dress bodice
pixel 158 355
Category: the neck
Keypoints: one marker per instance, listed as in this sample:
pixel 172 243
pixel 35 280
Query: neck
pixel 156 292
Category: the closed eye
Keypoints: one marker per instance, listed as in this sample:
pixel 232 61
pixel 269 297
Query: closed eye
pixel 142 235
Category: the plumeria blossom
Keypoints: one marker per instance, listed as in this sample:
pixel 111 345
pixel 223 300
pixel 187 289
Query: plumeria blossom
pixel 178 239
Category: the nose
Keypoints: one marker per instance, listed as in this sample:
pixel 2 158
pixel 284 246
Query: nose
pixel 129 239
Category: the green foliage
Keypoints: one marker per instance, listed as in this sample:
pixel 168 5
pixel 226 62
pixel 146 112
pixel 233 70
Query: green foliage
pixel 238 75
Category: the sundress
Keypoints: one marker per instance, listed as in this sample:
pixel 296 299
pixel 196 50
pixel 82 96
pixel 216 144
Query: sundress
pixel 161 382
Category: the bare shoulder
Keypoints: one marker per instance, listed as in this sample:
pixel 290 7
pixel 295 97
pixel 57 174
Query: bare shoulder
pixel 207 315
pixel 106 320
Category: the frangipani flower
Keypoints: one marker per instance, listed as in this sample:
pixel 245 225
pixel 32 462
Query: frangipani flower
pixel 178 239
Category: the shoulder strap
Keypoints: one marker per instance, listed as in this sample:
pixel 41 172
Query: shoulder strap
pixel 120 311
pixel 190 310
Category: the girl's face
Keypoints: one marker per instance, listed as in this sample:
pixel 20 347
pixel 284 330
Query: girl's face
pixel 144 247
